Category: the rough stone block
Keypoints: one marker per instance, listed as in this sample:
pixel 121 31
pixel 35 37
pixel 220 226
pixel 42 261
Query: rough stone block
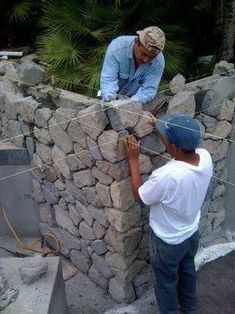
pixel 60 137
pixel 74 214
pixel 86 232
pixel 121 194
pixel 63 220
pixel 63 116
pixel 30 72
pixel 98 215
pixel 120 262
pixel 182 102
pixel 27 109
pixel 99 247
pixel 98 230
pixel 84 155
pixel 211 103
pixel 93 120
pixel 94 149
pixel 145 165
pixel 83 178
pixel 177 83
pixel 219 191
pixel 81 261
pixel 59 158
pixel 208 122
pixel 101 177
pixel 11 105
pixel 42 116
pixel 103 194
pixel 100 264
pixel 76 192
pixel 32 269
pixel 151 145
pixel 37 192
pixel 226 110
pixel 75 163
pixel 222 130
pixel 84 213
pixel 123 221
pixel 44 152
pixel 42 135
pixel 91 196
pixel 46 213
pixel 143 127
pixel 121 294
pixel 50 197
pixel 76 133
pixel 97 278
pixel 216 205
pixel 117 171
pixel 108 144
pixel 124 114
pixel 223 67
pixel 15 133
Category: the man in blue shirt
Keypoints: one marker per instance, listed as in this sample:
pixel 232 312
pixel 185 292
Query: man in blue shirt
pixel 133 66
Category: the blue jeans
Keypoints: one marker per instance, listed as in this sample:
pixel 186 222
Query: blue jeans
pixel 173 265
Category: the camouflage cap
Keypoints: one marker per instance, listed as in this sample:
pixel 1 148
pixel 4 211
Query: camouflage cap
pixel 152 38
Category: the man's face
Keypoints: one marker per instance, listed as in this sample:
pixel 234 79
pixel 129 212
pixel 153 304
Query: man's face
pixel 142 55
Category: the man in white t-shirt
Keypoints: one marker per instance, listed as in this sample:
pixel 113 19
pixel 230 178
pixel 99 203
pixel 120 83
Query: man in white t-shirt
pixel 175 193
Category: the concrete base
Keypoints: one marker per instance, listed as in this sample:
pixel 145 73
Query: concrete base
pixel 45 296
pixel 16 192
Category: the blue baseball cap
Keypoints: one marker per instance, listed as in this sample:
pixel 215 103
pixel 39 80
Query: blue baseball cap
pixel 181 130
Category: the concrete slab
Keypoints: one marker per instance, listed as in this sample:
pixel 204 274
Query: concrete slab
pixel 16 197
pixel 85 297
pixel 10 154
pixel 44 296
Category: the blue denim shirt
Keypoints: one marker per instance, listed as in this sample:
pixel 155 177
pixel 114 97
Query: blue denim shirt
pixel 119 75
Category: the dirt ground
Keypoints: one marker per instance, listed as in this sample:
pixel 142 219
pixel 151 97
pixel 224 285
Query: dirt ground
pixel 216 286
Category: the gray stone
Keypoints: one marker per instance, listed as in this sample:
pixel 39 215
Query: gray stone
pixel 223 67
pixel 94 149
pixel 37 161
pixel 97 278
pixel 11 105
pixel 182 102
pixel 177 83
pixel 91 196
pixel 205 227
pixel 11 71
pixel 25 127
pixel 145 165
pixel 99 247
pixel 67 196
pixel 226 110
pixel 126 276
pixel 66 240
pixel 219 191
pixel 217 218
pixel 84 155
pixel 42 115
pixel 124 114
pixel 216 205
pixel 2 67
pixel 63 220
pixel 50 197
pixel 46 214
pixel 30 72
pixel 74 214
pixel 101 177
pixel 98 230
pixel 60 185
pixel 208 122
pixel 42 135
pixel 83 178
pixel 44 152
pixel 222 151
pixel 30 146
pixel 143 127
pixel 27 109
pixel 78 259
pixel 151 145
pixel 220 164
pixel 117 171
pixel 98 215
pixel 32 269
pixel 93 120
pixel 222 130
pixel 84 213
pixel 15 133
pixel 75 163
pixel 120 262
pixel 121 194
pixel 108 143
pixel 72 100
pixel 211 103
pixel 50 173
pixel 100 264
pixel 121 294
pixel 60 137
pixel 63 204
pixel 76 192
pixel 123 221
pixel 59 158
pixel 124 243
pixel 76 133
pixel 37 192
pixel 103 194
pixel 86 232
pixel 63 116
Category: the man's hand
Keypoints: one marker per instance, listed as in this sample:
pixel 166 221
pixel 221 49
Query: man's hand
pixel 132 148
pixel 151 119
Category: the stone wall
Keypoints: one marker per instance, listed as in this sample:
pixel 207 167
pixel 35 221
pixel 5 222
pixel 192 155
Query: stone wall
pixel 81 178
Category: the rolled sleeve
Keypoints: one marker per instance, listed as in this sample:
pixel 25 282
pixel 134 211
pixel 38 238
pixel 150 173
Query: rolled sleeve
pixel 109 77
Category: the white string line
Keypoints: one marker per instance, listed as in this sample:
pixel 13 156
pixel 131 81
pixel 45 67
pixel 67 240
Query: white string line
pixel 97 146
pixel 69 120
pixel 174 124
pixel 64 158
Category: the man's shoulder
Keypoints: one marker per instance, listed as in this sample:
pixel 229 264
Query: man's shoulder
pixel 121 43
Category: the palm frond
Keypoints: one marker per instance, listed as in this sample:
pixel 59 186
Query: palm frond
pixel 21 12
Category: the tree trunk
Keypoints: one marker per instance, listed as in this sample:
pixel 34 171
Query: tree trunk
pixel 228 24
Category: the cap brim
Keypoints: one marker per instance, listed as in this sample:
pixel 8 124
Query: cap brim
pixel 161 124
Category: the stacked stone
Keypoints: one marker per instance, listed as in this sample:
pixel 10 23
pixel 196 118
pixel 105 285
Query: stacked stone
pixel 81 178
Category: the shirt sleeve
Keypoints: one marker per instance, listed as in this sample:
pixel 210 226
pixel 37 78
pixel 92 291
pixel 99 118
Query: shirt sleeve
pixel 109 76
pixel 155 189
pixel 149 87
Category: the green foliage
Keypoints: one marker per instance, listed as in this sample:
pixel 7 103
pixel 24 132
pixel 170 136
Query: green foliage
pixel 73 35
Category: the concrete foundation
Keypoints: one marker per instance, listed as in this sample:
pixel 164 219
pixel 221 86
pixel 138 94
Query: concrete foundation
pixel 16 192
pixel 44 296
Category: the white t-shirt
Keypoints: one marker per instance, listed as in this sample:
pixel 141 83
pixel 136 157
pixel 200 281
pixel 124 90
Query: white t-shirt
pixel 176 192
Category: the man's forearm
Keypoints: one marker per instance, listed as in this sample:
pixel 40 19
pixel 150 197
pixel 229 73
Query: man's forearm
pixel 136 180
